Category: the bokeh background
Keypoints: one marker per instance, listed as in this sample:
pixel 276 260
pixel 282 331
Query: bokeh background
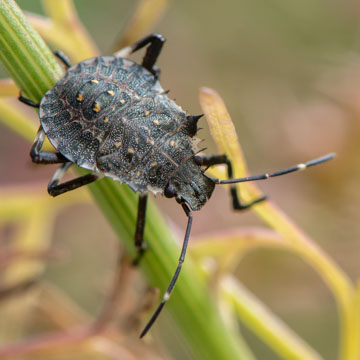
pixel 288 72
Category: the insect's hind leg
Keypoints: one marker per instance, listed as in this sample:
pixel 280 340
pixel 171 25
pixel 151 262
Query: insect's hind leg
pixel 55 189
pixel 63 58
pixel 222 159
pixel 153 51
pixel 38 156
pixel 44 157
pixel 140 227
pixel 28 102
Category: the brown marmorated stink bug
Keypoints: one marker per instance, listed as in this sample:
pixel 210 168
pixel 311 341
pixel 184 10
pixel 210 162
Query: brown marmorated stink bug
pixel 110 115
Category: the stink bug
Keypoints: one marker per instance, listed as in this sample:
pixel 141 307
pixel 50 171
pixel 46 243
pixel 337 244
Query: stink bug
pixel 111 116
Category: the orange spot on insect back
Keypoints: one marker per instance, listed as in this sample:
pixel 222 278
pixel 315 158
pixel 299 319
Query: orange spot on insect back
pixel 96 108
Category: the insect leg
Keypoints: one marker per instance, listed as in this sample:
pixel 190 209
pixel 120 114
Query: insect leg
pixel 175 276
pixel 222 159
pixel 55 189
pixel 156 42
pixel 37 156
pixel 63 58
pixel 28 102
pixel 140 226
pixel 152 52
pixel 44 157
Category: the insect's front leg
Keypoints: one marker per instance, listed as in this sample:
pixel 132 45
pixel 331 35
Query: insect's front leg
pixel 210 160
pixel 140 227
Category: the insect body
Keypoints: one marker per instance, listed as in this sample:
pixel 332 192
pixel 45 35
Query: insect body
pixel 110 115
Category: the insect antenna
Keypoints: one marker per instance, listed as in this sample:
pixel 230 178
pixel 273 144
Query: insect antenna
pixel 298 167
pixel 176 274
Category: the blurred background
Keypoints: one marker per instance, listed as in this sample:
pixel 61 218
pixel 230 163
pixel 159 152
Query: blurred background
pixel 288 72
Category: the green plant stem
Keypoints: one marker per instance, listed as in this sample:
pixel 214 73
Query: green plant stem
pixel 34 75
pixel 34 69
pixel 264 324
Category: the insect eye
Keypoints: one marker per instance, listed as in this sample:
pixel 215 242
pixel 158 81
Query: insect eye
pixel 169 191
